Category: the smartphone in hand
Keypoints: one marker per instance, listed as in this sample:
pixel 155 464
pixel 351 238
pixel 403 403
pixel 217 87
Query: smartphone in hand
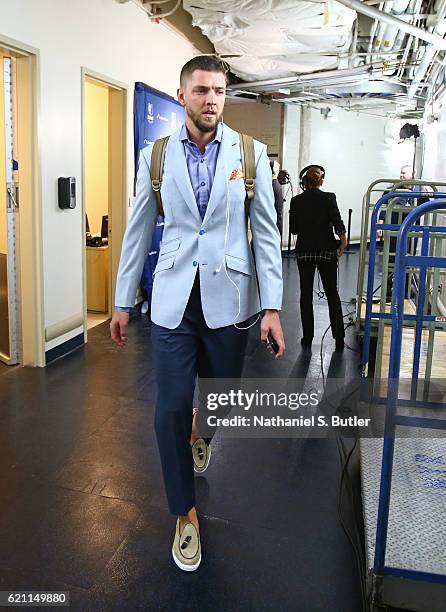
pixel 271 343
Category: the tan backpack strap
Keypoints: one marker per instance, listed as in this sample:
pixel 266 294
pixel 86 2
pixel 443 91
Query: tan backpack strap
pixel 248 167
pixel 157 168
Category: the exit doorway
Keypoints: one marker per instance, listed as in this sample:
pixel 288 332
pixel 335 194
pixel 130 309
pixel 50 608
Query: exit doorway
pixel 104 184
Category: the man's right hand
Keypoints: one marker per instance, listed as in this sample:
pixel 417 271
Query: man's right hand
pixel 118 327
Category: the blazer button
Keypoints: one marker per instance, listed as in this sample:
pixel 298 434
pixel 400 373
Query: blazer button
pixel 201 232
pixel 195 263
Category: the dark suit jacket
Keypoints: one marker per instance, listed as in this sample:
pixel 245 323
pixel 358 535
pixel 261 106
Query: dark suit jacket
pixel 278 203
pixel 314 214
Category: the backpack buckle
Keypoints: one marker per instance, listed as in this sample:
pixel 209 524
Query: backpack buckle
pixel 249 187
pixel 156 185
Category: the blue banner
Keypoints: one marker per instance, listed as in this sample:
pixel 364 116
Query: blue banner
pixel 155 115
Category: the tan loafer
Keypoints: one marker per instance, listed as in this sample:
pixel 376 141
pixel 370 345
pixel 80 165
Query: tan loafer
pixel 201 454
pixel 186 549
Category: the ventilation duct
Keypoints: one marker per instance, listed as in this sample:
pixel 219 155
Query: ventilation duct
pixel 275 38
pixel 367 88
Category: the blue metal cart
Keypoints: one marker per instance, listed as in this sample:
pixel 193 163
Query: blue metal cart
pixel 406 529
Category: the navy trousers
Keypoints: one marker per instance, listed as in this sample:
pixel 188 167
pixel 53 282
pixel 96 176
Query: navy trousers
pixel 181 354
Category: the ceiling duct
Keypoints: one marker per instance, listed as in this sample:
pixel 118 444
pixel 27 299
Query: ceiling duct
pixel 367 88
pixel 299 81
pixel 275 38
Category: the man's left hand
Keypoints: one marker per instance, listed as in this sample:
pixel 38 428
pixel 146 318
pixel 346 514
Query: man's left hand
pixel 271 325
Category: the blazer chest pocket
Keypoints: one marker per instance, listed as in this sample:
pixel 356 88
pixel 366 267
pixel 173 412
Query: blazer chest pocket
pixel 239 265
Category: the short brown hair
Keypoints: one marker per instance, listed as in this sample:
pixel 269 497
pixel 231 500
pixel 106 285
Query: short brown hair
pixel 211 63
pixel 313 177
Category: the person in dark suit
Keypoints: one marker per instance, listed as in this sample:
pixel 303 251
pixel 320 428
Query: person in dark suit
pixel 314 214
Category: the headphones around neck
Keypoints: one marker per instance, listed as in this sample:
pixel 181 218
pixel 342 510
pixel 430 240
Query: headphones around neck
pixel 303 174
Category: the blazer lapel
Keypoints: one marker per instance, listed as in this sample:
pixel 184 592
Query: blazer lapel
pixel 221 175
pixel 177 161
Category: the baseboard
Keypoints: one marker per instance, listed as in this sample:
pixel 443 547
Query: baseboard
pixel 63 349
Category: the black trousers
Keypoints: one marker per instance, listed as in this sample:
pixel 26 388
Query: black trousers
pixel 328 271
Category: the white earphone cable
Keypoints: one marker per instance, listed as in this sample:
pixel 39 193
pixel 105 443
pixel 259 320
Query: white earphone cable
pixel 223 263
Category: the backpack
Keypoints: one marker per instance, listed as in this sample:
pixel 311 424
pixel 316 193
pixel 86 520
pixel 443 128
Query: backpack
pixel 248 169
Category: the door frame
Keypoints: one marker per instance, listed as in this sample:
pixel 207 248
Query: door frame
pixel 117 180
pixel 30 256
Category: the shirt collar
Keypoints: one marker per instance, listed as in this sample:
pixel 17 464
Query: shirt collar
pixel 184 136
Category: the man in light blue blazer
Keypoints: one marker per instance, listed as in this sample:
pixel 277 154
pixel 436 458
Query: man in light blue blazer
pixel 207 288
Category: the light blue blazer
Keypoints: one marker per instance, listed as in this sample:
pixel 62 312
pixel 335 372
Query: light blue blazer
pixel 217 248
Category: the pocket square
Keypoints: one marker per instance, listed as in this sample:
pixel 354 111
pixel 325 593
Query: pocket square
pixel 236 174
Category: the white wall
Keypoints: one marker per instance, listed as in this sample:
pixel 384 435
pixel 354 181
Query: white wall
pixel 291 146
pixel 434 167
pixel 117 41
pixel 355 149
pixel 435 148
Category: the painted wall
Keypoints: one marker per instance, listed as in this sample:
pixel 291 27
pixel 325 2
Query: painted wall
pixel 116 40
pixel 434 166
pixel 355 149
pixel 96 154
pixel 292 142
pixel 291 148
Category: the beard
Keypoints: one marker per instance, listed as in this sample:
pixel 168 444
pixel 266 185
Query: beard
pixel 200 123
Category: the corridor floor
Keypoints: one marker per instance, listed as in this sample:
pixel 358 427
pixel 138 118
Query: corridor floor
pixel 83 507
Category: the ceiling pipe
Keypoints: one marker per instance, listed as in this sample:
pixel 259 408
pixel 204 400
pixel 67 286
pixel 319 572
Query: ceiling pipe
pixel 321 86
pixel 414 7
pixel 372 36
pixel 370 11
pixel 398 8
pixel 312 76
pixel 382 26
